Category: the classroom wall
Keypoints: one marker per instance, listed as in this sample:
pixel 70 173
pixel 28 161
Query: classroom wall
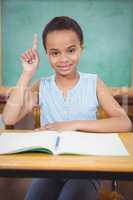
pixel 108 33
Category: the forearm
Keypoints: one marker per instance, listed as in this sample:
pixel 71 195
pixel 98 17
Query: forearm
pixel 114 124
pixel 15 102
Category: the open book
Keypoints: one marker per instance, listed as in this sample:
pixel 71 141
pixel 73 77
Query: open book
pixel 67 142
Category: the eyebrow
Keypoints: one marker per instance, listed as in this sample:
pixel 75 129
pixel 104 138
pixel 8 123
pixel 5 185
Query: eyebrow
pixel 71 46
pixel 53 49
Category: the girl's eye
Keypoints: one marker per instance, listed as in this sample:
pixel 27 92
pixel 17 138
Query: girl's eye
pixel 71 50
pixel 55 53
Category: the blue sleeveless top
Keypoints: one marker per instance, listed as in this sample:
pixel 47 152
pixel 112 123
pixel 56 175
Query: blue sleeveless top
pixel 80 104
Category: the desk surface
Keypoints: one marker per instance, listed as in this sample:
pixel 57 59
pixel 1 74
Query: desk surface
pixel 39 162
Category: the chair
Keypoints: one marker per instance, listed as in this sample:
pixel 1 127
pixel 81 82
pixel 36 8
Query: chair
pixel 13 188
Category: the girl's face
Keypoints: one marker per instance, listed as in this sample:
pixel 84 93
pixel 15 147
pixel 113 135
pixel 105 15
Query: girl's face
pixel 63 51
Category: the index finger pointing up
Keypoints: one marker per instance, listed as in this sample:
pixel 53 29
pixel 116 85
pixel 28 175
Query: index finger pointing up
pixel 35 42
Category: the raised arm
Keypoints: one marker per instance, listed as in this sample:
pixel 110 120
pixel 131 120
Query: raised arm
pixel 22 98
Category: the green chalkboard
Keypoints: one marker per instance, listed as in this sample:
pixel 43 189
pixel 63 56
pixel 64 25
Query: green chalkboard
pixel 108 33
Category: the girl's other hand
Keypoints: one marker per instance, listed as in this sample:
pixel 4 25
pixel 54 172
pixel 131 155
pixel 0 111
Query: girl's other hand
pixel 30 58
pixel 60 126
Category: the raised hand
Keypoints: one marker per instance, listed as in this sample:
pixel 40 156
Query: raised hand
pixel 30 58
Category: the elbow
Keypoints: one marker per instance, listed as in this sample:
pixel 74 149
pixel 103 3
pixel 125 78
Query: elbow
pixel 128 125
pixel 7 120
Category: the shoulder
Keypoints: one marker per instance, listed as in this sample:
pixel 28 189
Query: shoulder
pixel 46 82
pixel 88 76
pixel 107 101
pixel 43 81
pixel 101 87
pixel 104 95
pixel 89 80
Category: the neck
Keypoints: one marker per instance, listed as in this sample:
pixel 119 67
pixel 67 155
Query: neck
pixel 67 82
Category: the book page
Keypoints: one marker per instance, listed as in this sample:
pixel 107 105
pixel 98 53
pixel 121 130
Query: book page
pixel 19 142
pixel 107 144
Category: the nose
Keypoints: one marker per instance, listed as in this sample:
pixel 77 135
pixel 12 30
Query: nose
pixel 64 58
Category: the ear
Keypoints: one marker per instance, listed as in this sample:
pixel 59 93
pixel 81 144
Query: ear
pixel 82 47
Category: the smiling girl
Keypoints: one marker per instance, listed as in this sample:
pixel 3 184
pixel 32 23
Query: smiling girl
pixel 68 101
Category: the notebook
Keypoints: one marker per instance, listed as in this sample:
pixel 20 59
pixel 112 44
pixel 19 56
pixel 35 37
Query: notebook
pixel 66 142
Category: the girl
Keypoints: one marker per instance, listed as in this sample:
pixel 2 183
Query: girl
pixel 68 101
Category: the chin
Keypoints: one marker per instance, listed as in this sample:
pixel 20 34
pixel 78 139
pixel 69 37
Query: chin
pixel 69 71
pixel 66 73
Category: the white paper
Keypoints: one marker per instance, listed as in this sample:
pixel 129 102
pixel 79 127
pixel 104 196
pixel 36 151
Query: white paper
pixel 70 142
pixel 16 142
pixel 104 144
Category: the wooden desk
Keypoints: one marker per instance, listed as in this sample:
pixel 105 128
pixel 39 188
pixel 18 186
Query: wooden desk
pixel 43 165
